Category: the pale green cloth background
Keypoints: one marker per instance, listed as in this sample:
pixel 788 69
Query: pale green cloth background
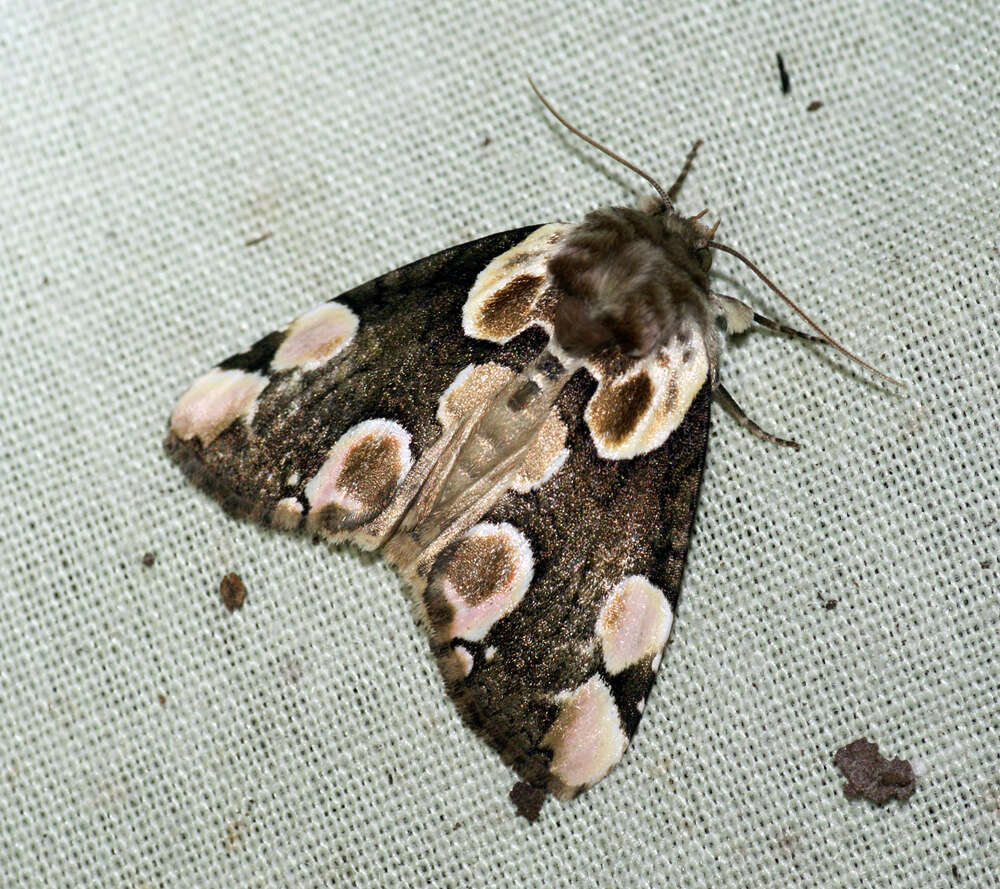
pixel 305 740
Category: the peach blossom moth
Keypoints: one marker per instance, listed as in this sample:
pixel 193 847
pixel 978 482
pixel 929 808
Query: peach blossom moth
pixel 519 424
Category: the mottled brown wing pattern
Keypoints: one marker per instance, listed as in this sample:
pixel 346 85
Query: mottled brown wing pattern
pixel 254 430
pixel 549 599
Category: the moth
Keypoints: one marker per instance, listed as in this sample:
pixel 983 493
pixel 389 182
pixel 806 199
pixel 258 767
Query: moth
pixel 519 425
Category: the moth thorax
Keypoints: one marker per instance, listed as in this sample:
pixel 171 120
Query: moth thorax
pixel 628 280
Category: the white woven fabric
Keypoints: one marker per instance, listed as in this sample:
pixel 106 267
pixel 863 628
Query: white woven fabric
pixel 151 738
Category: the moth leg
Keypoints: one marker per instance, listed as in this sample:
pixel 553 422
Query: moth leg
pixel 652 205
pixel 771 324
pixel 736 412
pixel 739 316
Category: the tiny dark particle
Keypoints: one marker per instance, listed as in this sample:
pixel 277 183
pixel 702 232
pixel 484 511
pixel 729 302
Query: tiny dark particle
pixel 814 105
pixel 148 559
pixel 786 82
pixel 486 140
pixel 871 776
pixel 527 800
pixel 162 698
pixel 954 871
pixel 828 604
pixel 252 242
pixel 232 591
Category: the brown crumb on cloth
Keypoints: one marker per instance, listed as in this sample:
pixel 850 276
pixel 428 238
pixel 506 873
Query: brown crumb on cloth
pixel 871 775
pixel 233 591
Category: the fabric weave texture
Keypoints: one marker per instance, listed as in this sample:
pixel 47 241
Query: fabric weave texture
pixel 151 737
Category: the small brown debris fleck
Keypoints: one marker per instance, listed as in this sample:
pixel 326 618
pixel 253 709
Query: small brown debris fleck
pixel 828 604
pixel 232 591
pixel 234 835
pixel 148 560
pixel 527 800
pixel 788 843
pixel 253 242
pixel 814 105
pixel 162 698
pixel 871 775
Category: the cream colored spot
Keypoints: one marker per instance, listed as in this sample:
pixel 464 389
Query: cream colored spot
pixel 476 384
pixel 457 663
pixel 502 301
pixel 635 413
pixel 586 737
pixel 655 665
pixel 362 469
pixel 633 624
pixel 473 385
pixel 214 401
pixel 317 336
pixel 545 457
pixel 287 514
pixel 489 653
pixel 485 578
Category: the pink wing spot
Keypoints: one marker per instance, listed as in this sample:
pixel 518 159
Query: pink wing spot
pixel 362 469
pixel 214 401
pixel 633 624
pixel 485 578
pixel 586 737
pixel 473 385
pixel 545 456
pixel 316 337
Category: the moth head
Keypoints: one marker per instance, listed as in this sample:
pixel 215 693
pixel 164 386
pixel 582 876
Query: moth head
pixel 654 205
pixel 629 281
pixel 619 303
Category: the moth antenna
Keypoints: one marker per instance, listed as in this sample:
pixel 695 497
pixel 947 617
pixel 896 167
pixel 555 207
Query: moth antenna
pixel 829 339
pixel 617 157
pixel 674 189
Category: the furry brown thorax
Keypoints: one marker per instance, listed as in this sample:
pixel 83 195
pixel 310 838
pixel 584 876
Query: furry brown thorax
pixel 630 279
